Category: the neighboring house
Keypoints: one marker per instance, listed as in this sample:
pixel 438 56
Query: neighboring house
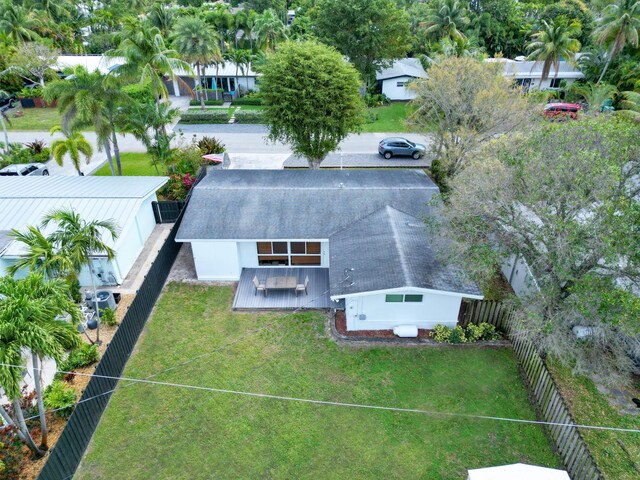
pixel 222 80
pixel 365 227
pixel 528 74
pixel 394 79
pixel 125 200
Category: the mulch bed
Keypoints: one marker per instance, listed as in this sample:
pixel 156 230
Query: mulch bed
pixel 341 327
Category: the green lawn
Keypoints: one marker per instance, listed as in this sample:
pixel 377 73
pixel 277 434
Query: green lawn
pixel 616 453
pixel 133 164
pixel 390 118
pixel 151 431
pixel 35 119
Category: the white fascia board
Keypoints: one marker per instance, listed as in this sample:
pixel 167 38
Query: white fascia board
pixel 238 240
pixel 404 289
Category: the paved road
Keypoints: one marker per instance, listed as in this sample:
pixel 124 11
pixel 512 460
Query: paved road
pixel 241 140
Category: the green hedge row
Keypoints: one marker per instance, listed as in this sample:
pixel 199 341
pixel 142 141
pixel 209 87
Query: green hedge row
pixel 249 116
pixel 247 101
pixel 210 103
pixel 205 116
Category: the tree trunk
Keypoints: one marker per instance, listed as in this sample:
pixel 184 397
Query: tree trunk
pixel 237 87
pixel 606 65
pixel 116 148
pixel 10 422
pixel 95 299
pixel 314 163
pixel 107 151
pixel 25 431
pixel 43 418
pixel 201 88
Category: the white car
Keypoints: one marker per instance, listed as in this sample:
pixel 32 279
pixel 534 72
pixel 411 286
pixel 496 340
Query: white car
pixel 24 169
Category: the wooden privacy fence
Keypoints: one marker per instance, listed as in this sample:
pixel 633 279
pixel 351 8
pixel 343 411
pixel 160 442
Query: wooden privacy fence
pixel 550 405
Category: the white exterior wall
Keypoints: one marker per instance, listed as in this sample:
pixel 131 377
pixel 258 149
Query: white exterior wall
pixel 546 84
pixel 47 375
pixel 224 259
pixel 390 89
pixel 435 308
pixel 216 260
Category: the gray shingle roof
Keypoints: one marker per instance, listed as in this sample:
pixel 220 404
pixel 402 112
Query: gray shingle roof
pixel 397 253
pixel 297 204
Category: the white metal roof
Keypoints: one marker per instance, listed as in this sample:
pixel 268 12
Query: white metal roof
pixel 518 471
pixel 25 200
pixel 404 67
pixel 530 69
pixel 90 62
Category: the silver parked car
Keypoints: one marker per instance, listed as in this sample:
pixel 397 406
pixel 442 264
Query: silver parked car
pixel 24 169
pixel 401 147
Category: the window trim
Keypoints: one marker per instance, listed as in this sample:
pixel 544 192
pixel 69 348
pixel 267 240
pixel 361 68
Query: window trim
pixel 403 298
pixel 292 259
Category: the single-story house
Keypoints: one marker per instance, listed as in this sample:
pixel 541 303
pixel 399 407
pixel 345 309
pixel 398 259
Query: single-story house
pixel 364 227
pixel 125 200
pixel 528 74
pixel 222 79
pixel 395 78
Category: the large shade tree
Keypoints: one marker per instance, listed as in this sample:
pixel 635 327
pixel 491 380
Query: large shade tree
pixel 31 311
pixel 572 214
pixel 464 103
pixel 619 26
pixel 554 42
pixel 369 33
pixel 311 97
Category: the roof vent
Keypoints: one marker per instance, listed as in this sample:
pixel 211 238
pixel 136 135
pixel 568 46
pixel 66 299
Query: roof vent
pixel 415 225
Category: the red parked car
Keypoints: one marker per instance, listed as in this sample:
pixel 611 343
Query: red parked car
pixel 561 111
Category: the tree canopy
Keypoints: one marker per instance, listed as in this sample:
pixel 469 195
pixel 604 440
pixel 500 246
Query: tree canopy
pixel 572 214
pixel 311 96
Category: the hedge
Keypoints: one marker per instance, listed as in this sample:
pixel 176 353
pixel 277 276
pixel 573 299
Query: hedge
pixel 247 101
pixel 249 116
pixel 210 103
pixel 205 116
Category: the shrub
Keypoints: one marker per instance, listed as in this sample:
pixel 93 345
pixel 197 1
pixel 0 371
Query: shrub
pixel 61 396
pixel 372 117
pixel 205 116
pixel 178 186
pixel 247 101
pixel 484 331
pixel 441 333
pixel 208 145
pixel 376 100
pixel 211 103
pixel 82 356
pixel 108 316
pixel 457 335
pixel 10 453
pixel 249 116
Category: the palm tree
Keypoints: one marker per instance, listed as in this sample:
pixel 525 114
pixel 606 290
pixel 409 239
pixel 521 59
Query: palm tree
pixel 86 99
pixel 595 95
pixel 197 42
pixel 80 240
pixel 446 19
pixel 74 145
pixel 249 25
pixel 29 310
pixel 16 23
pixel 555 41
pixel 241 58
pixel 239 22
pixel 41 256
pixel 630 104
pixel 619 26
pixel 162 17
pixel 270 29
pixel 147 58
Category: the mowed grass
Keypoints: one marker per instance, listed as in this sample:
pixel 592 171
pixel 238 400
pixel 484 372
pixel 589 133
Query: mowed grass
pixel 34 119
pixel 391 118
pixel 133 164
pixel 162 432
pixel 616 453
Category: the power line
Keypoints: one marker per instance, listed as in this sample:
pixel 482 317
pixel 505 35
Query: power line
pixel 345 404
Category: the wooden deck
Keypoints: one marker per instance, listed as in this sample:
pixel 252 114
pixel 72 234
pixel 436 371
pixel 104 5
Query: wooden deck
pixel 317 297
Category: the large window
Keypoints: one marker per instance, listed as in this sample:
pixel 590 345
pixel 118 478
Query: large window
pixel 289 253
pixel 555 82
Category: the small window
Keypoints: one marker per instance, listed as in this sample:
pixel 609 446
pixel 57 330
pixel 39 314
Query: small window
pixel 400 84
pixel 297 247
pixel 394 298
pixel 413 298
pixel 264 248
pixel 313 248
pixel 280 247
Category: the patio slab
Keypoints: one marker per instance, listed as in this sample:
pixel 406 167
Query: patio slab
pixel 247 298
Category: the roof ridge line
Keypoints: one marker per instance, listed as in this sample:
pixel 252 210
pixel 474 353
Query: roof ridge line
pixel 396 239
